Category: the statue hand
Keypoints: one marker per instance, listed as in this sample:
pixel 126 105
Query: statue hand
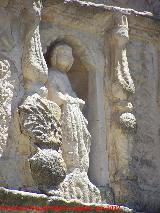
pixel 74 100
pixel 81 103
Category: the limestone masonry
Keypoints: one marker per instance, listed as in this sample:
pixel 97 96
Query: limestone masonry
pixel 80 104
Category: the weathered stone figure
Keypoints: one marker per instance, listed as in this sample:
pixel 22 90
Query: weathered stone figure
pixel 123 123
pixel 39 118
pixel 75 135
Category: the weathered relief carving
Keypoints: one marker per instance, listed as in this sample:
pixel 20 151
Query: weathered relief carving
pixel 6 95
pixel 40 121
pixel 128 120
pixel 123 121
pixel 44 136
pixel 120 38
pixel 75 135
pixel 122 83
pixel 34 66
pixel 9 77
pixel 40 118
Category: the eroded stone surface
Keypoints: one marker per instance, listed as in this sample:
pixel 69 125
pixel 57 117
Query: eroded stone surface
pixel 78 186
pixel 8 78
pixel 75 135
pixel 48 169
pixel 25 199
pixel 116 72
pixel 40 120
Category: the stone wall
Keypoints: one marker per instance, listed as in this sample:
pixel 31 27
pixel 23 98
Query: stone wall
pixel 115 70
pixel 120 173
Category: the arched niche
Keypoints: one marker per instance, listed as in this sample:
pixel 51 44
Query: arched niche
pixel 79 72
pixel 87 81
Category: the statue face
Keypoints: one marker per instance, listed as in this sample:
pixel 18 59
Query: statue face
pixel 62 58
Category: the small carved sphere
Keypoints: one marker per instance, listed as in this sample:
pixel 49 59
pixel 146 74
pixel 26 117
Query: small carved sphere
pixel 128 120
pixel 61 57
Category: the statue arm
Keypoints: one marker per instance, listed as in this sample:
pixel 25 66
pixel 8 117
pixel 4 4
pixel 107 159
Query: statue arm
pixel 59 97
pixel 55 95
pixel 60 89
pixel 71 94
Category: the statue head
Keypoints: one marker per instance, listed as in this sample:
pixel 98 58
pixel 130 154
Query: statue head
pixel 120 33
pixel 61 57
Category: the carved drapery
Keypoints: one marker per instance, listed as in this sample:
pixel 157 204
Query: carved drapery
pixel 40 118
pixel 123 121
pixel 120 38
pixel 34 66
pixel 122 84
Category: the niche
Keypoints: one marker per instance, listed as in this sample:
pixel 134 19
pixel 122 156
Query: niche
pixel 78 74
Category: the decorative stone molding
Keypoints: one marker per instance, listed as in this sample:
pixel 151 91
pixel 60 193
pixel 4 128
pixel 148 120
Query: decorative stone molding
pixel 122 120
pixel 120 69
pixel 40 118
pixel 34 66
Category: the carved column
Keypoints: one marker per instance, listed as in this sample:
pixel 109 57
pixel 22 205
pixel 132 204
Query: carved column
pixel 35 70
pixel 122 120
pixel 39 118
pixel 120 38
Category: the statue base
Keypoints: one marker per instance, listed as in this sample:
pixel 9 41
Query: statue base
pixel 25 201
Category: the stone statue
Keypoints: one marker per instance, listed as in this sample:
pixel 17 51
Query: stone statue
pixel 40 118
pixel 123 122
pixel 75 135
pixel 122 80
pixel 40 123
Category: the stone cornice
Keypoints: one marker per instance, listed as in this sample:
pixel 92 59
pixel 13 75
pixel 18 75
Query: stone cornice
pixel 63 12
pixel 104 8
